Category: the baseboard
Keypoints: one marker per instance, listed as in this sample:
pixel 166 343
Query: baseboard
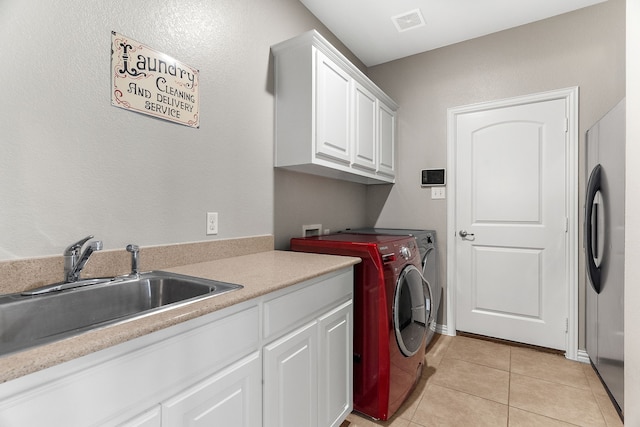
pixel 583 357
pixel 442 330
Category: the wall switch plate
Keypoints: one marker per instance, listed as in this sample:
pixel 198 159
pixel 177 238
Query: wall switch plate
pixel 212 222
pixel 437 193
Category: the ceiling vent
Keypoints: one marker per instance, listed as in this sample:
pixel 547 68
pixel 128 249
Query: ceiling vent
pixel 408 20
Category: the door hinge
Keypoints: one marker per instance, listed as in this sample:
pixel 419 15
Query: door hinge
pixel 566 325
pixel 566 224
pixel 566 124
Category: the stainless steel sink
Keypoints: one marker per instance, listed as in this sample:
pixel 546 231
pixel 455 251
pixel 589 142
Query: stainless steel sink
pixel 28 320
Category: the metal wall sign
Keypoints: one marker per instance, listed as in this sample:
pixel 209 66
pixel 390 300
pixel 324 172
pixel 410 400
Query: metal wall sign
pixel 151 82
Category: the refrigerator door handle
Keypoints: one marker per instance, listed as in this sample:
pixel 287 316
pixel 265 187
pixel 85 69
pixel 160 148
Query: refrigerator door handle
pixel 591 227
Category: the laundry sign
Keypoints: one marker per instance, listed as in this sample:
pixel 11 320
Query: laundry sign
pixel 153 83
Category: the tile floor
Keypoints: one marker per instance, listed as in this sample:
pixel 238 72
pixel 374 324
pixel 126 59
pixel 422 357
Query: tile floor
pixel 473 382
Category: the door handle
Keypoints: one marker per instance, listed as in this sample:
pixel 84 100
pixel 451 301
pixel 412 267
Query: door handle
pixel 591 227
pixel 464 234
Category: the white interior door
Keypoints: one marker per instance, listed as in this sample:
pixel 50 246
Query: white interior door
pixel 511 223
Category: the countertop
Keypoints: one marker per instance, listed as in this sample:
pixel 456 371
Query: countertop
pixel 259 273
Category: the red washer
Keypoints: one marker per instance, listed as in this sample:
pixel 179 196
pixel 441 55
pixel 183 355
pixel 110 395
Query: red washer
pixel 389 316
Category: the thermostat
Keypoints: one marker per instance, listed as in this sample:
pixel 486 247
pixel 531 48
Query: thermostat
pixel 433 177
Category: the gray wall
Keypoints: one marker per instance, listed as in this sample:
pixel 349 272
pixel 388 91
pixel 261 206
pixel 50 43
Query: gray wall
pixel 585 48
pixel 72 165
pixel 302 199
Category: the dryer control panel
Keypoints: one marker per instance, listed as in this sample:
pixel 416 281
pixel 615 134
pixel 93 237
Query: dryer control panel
pixel 401 252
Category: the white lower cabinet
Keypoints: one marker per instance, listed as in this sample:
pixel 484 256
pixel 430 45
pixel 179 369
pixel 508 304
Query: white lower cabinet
pixel 151 418
pixel 308 371
pixel 283 359
pixel 123 383
pixel 232 397
pixel 335 363
pixel 291 379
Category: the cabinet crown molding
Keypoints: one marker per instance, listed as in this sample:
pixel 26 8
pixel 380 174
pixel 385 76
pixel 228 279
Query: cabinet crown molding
pixel 317 40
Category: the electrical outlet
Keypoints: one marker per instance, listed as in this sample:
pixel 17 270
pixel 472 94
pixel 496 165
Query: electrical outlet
pixel 437 193
pixel 212 222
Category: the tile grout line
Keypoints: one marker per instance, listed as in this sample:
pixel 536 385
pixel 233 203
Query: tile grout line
pixel 509 387
pixel 593 393
pixel 550 381
pixel 449 353
pixel 452 357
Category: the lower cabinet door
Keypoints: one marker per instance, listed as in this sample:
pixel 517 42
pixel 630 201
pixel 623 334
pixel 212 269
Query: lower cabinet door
pixel 335 389
pixel 291 379
pixel 151 418
pixel 232 397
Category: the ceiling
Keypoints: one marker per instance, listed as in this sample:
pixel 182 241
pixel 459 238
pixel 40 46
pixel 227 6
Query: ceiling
pixel 378 31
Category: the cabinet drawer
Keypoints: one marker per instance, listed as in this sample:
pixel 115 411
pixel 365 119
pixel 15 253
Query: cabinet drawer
pixel 285 312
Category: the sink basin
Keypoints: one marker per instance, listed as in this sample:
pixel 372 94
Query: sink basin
pixel 31 320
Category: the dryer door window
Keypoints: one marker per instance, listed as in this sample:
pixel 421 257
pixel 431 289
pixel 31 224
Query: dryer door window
pixel 429 273
pixel 409 311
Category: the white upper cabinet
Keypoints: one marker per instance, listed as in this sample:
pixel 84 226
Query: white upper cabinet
pixel 333 103
pixel 365 150
pixel 387 140
pixel 331 120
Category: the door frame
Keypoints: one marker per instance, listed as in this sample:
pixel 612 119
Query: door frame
pixel 570 96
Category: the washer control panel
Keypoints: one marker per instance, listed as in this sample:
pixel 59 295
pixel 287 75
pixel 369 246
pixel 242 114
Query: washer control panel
pixel 405 252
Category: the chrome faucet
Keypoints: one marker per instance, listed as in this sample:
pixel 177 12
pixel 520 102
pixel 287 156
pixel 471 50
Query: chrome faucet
pixel 74 262
pixel 134 249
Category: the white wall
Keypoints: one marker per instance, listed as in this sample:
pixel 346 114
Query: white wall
pixel 72 165
pixel 584 48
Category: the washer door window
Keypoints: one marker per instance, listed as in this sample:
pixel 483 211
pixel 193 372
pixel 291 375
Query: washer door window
pixel 409 311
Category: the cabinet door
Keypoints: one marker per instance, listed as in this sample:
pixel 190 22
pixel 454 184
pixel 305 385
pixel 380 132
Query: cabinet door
pixel 290 379
pixel 151 418
pixel 387 140
pixel 335 388
pixel 364 124
pixel 231 397
pixel 332 105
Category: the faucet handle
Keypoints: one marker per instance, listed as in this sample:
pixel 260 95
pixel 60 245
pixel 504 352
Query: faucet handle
pixel 134 249
pixel 74 263
pixel 74 248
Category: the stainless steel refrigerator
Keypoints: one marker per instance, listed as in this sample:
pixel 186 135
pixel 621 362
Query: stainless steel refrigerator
pixel 604 248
